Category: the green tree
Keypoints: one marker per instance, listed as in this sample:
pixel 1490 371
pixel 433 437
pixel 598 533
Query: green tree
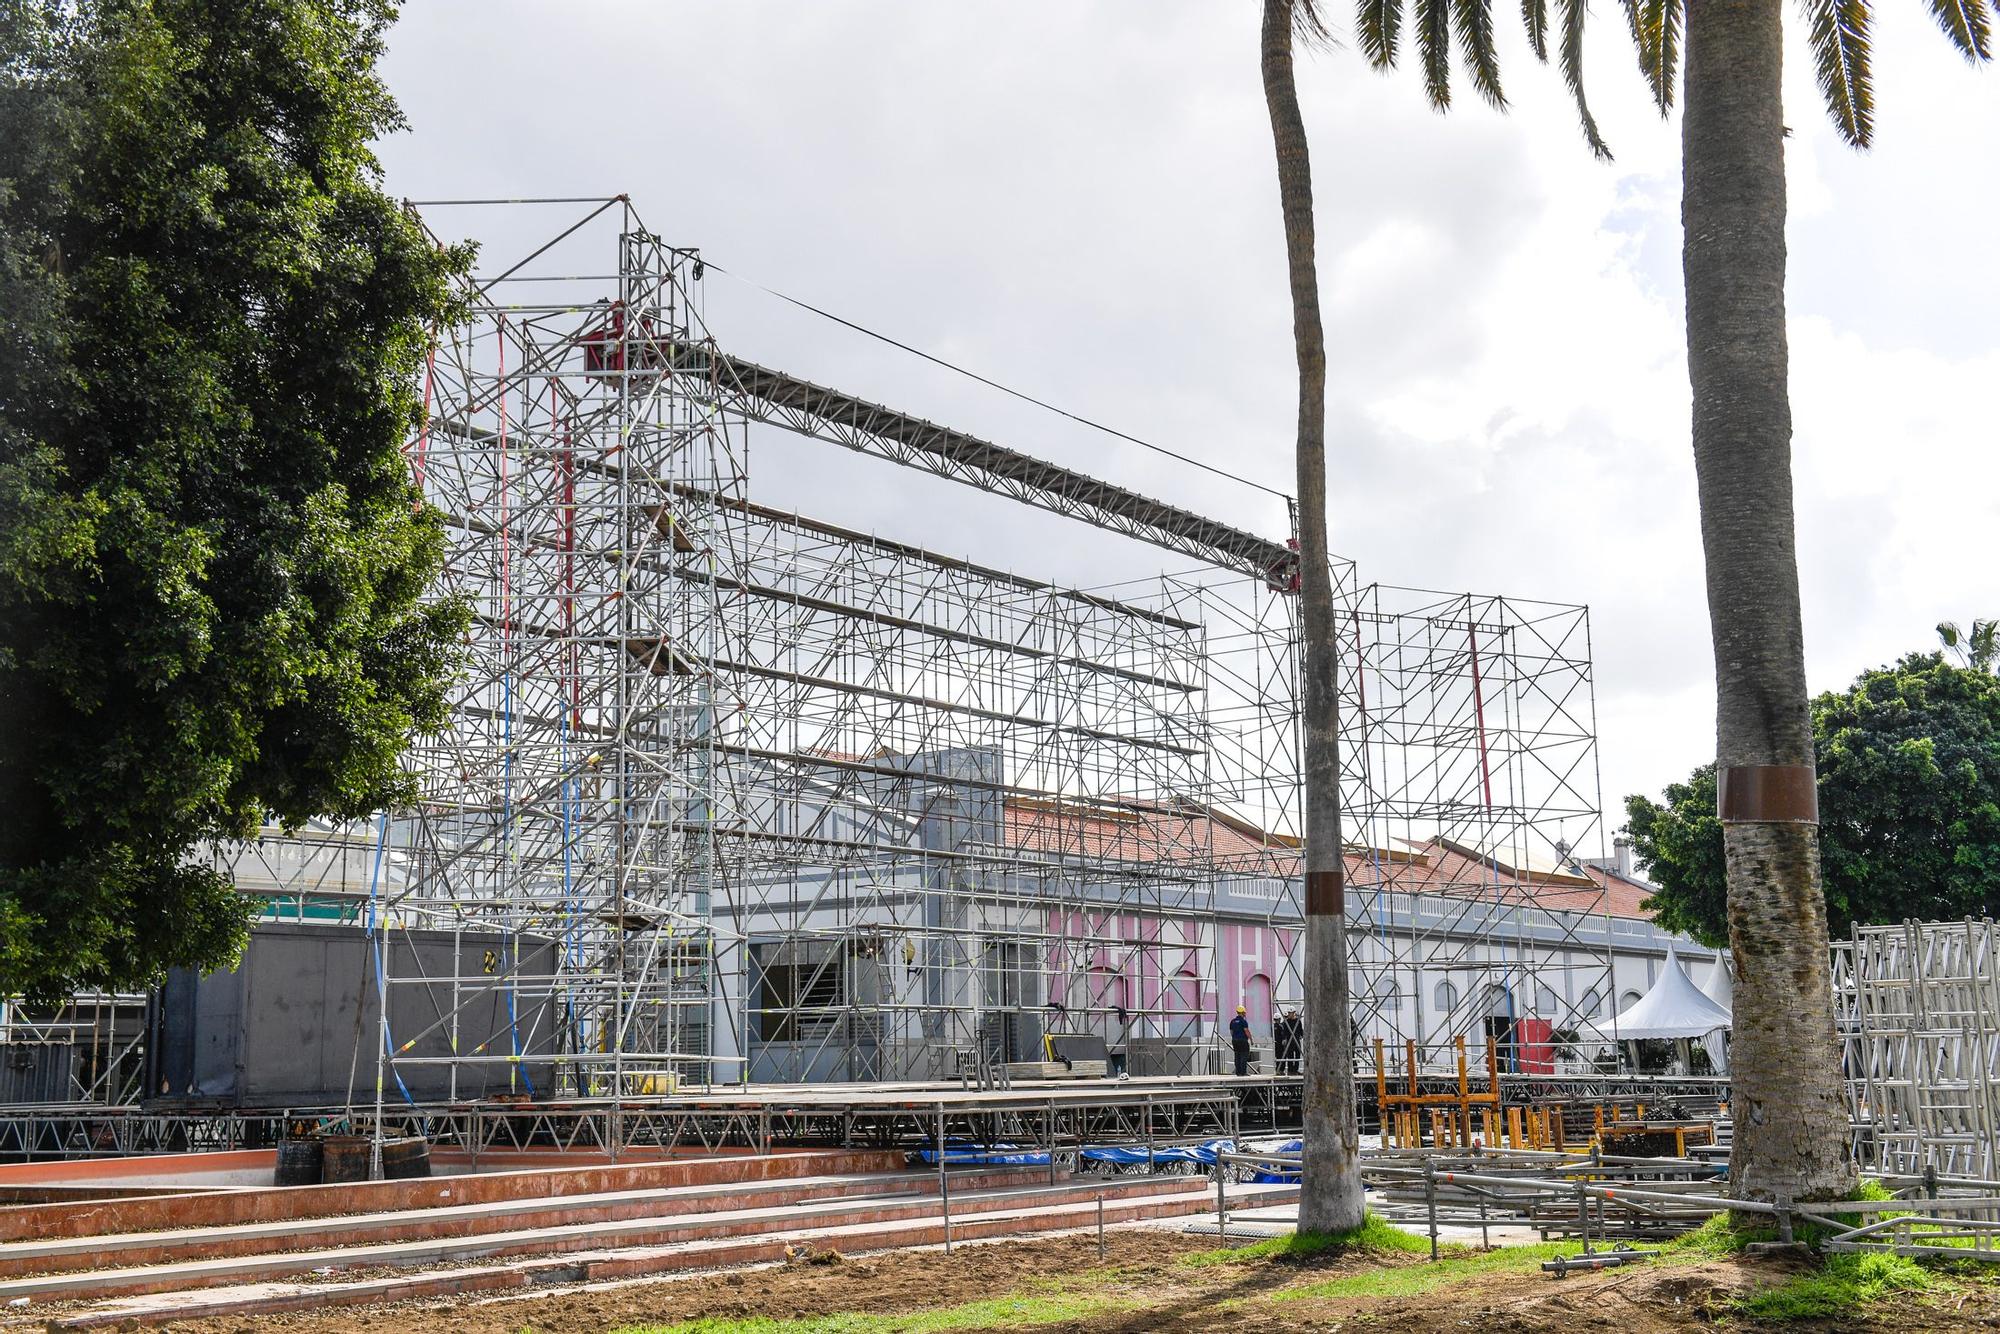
pixel 212 558
pixel 1909 802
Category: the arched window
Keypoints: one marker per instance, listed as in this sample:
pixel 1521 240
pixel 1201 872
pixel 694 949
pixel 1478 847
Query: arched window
pixel 1257 999
pixel 1627 1000
pixel 1391 997
pixel 1446 998
pixel 1592 1003
pixel 1108 990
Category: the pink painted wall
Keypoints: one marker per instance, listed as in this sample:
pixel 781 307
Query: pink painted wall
pixel 1157 973
pixel 1161 970
pixel 1249 960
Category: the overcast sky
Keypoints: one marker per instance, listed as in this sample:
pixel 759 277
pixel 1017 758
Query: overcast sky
pixel 1079 200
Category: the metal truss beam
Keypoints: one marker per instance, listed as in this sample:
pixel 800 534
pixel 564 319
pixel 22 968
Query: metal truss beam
pixel 758 393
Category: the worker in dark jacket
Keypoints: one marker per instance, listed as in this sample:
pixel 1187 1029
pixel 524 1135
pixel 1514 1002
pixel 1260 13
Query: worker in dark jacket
pixel 1288 1033
pixel 1239 1040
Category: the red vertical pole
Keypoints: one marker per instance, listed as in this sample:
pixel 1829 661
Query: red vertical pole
pixel 566 468
pixel 424 429
pixel 1479 708
pixel 506 546
pixel 1360 676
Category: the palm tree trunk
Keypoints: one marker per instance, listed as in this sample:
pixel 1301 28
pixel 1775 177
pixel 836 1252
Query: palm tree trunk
pixel 1330 1199
pixel 1789 1118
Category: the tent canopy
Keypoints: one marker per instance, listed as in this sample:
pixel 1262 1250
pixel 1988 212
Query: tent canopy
pixel 1674 1008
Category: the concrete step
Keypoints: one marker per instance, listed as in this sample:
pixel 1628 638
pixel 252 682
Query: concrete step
pixel 211 1209
pixel 129 1249
pixel 183 1274
pixel 1195 1196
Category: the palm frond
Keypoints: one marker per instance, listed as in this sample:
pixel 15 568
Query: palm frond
pixel 1535 18
pixel 1655 26
pixel 1968 26
pixel 1474 21
pixel 1572 14
pixel 1661 56
pixel 1434 49
pixel 1838 33
pixel 1378 24
pixel 1309 28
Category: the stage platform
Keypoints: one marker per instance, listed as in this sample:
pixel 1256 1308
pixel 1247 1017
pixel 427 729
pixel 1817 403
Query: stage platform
pixel 1045 1114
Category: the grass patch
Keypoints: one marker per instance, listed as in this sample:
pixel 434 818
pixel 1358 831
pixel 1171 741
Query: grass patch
pixel 1845 1280
pixel 1454 1265
pixel 1848 1281
pixel 1724 1235
pixel 1375 1236
pixel 1873 1191
pixel 1716 1239
pixel 1015 1312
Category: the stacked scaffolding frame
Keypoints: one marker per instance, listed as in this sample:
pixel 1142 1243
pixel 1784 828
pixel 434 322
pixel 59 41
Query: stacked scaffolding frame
pixel 1917 1006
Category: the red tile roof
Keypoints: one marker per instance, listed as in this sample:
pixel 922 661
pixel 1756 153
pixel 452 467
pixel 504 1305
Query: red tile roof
pixel 1144 832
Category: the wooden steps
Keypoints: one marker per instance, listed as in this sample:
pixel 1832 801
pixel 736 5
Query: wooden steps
pixel 213 1208
pixel 247 1286
pixel 136 1249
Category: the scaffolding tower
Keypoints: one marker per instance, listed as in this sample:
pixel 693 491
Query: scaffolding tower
pixel 731 793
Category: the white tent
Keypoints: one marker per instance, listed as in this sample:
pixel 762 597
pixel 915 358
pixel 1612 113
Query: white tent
pixel 1720 988
pixel 1674 1008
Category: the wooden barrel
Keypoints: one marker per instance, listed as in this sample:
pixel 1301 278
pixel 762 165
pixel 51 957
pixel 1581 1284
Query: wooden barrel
pixel 404 1158
pixel 344 1158
pixel 298 1162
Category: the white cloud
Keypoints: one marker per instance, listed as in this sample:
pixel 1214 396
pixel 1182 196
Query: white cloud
pixel 1080 200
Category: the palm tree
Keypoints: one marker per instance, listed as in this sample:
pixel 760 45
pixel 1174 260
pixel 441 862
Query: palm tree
pixel 1330 1195
pixel 1976 649
pixel 1788 1111
pixel 1790 1120
pixel 1790 1124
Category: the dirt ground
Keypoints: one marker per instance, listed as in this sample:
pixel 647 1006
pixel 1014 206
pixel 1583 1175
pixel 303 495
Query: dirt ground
pixel 1147 1287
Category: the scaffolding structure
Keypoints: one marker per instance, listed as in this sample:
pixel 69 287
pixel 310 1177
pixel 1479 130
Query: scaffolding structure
pixel 731 793
pixel 1917 1007
pixel 1469 730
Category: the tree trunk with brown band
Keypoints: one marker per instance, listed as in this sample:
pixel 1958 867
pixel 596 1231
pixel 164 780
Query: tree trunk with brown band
pixel 1790 1118
pixel 1330 1195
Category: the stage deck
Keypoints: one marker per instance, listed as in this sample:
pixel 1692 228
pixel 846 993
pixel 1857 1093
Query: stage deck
pixel 1044 1113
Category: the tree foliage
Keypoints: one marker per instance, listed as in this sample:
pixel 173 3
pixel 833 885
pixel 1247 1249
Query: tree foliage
pixel 1977 648
pixel 211 554
pixel 1838 31
pixel 1909 795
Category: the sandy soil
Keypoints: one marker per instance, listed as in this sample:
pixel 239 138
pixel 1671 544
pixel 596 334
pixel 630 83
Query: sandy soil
pixel 1142 1273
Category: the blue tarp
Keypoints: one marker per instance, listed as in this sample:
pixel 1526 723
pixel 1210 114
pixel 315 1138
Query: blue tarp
pixel 1270 1174
pixel 1200 1154
pixel 1011 1155
pixel 988 1155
